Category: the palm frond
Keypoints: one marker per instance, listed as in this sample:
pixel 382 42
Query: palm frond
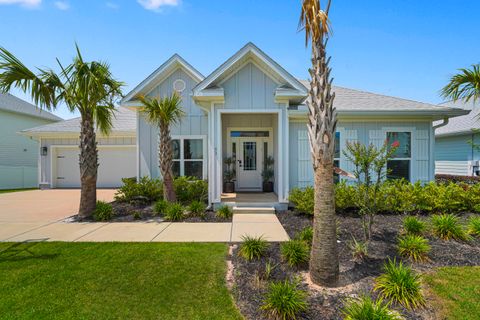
pixel 464 85
pixel 42 87
pixel 314 20
pixel 166 110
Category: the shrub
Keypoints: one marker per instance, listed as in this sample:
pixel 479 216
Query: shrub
pixel 359 249
pixel 284 300
pixel 344 196
pixel 364 308
pixel 400 284
pixel 174 212
pixel 294 252
pixel 224 212
pixel 253 247
pixel 188 189
pixel 146 190
pixel 447 227
pixel 302 199
pixel 160 207
pixel 269 267
pixel 413 225
pixel 137 215
pixel 474 226
pixel 414 247
pixel 306 235
pixel 197 208
pixel 103 211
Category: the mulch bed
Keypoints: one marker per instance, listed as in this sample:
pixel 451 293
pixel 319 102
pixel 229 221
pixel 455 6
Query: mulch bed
pixel 125 212
pixel 356 277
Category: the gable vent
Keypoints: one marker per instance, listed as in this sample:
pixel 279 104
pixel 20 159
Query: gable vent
pixel 179 85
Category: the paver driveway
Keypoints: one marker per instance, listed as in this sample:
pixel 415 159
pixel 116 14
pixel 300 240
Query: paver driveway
pixel 39 206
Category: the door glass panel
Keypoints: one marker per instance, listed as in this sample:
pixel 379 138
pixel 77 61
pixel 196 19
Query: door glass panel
pixel 249 156
pixel 236 134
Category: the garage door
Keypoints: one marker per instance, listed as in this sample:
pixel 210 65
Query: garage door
pixel 115 163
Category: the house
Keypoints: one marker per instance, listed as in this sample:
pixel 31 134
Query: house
pixel 455 152
pixel 250 107
pixel 19 154
pixel 59 145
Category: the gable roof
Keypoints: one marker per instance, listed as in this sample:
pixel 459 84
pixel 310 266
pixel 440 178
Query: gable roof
pixel 250 51
pixel 123 123
pixel 354 102
pixel 463 124
pixel 161 73
pixel 11 103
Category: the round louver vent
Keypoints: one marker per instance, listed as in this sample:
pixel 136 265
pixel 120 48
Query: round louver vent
pixel 179 85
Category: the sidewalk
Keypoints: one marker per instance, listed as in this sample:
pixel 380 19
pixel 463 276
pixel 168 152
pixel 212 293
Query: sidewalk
pixel 242 224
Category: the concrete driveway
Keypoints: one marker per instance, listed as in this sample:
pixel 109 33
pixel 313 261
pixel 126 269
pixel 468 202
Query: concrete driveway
pixel 40 206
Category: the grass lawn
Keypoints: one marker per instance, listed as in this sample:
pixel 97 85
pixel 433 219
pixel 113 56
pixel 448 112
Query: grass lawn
pixel 457 290
pixel 114 281
pixel 16 190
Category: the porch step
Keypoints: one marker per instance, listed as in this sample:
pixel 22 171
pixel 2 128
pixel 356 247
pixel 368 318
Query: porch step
pixel 253 210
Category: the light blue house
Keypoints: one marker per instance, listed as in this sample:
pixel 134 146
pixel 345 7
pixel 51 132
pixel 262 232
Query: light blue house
pixel 455 151
pixel 250 108
pixel 18 154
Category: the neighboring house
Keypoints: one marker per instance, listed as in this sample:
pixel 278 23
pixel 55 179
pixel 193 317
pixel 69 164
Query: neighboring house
pixel 455 152
pixel 250 108
pixel 19 154
pixel 59 145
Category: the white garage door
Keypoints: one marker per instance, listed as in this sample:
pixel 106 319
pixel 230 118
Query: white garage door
pixel 115 163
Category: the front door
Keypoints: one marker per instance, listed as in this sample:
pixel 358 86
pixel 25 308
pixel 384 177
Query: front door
pixel 249 164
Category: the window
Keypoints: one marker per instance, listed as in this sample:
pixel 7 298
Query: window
pixel 398 167
pixel 249 134
pixel 188 158
pixel 336 157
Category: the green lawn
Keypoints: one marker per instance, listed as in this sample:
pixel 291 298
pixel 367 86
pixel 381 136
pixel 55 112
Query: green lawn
pixel 15 190
pixel 114 281
pixel 457 291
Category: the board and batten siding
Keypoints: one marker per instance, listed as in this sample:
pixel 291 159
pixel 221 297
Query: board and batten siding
pixel 454 154
pixel 195 122
pixel 250 88
pixel 50 143
pixel 18 154
pixel 301 171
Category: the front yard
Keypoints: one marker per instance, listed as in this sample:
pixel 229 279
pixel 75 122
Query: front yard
pixel 114 281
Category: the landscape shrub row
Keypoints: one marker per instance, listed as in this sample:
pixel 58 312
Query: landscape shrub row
pixel 400 196
pixel 148 190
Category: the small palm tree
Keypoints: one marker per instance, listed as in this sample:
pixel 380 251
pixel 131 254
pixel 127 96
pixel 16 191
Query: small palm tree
pixel 163 113
pixel 464 86
pixel 322 122
pixel 86 87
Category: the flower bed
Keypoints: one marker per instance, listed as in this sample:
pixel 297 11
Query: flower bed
pixel 356 278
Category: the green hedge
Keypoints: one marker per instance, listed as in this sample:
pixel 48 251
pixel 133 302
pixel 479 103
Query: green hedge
pixel 400 196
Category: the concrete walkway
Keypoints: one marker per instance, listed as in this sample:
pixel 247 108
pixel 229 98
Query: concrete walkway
pixel 266 225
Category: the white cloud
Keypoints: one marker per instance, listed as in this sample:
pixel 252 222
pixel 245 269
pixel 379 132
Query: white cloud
pixel 112 5
pixel 23 3
pixel 62 5
pixel 156 5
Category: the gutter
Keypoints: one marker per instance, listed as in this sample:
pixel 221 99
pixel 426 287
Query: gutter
pixel 443 124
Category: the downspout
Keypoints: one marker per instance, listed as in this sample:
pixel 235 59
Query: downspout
pixel 443 124
pixel 432 145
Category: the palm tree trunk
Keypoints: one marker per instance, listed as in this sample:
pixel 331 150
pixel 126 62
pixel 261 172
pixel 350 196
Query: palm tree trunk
pixel 324 266
pixel 165 161
pixel 88 167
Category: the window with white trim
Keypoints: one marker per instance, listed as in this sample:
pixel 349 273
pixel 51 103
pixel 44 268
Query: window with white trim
pixel 398 167
pixel 188 157
pixel 336 157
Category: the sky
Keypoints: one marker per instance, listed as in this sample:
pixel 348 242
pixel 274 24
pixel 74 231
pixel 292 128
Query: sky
pixel 406 48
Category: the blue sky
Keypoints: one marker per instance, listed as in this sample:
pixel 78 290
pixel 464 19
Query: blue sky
pixel 401 48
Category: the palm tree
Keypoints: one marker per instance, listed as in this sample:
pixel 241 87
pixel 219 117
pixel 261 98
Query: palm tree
pixel 86 87
pixel 322 122
pixel 163 113
pixel 464 85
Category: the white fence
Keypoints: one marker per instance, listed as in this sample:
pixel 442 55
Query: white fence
pixel 18 177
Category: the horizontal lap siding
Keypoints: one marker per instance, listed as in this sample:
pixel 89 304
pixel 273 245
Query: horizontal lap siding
pixel 460 168
pixel 301 172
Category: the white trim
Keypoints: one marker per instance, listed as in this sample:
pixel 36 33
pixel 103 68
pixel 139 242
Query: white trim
pixel 413 145
pixel 281 172
pixel 244 64
pixel 39 162
pixel 137 138
pixel 182 159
